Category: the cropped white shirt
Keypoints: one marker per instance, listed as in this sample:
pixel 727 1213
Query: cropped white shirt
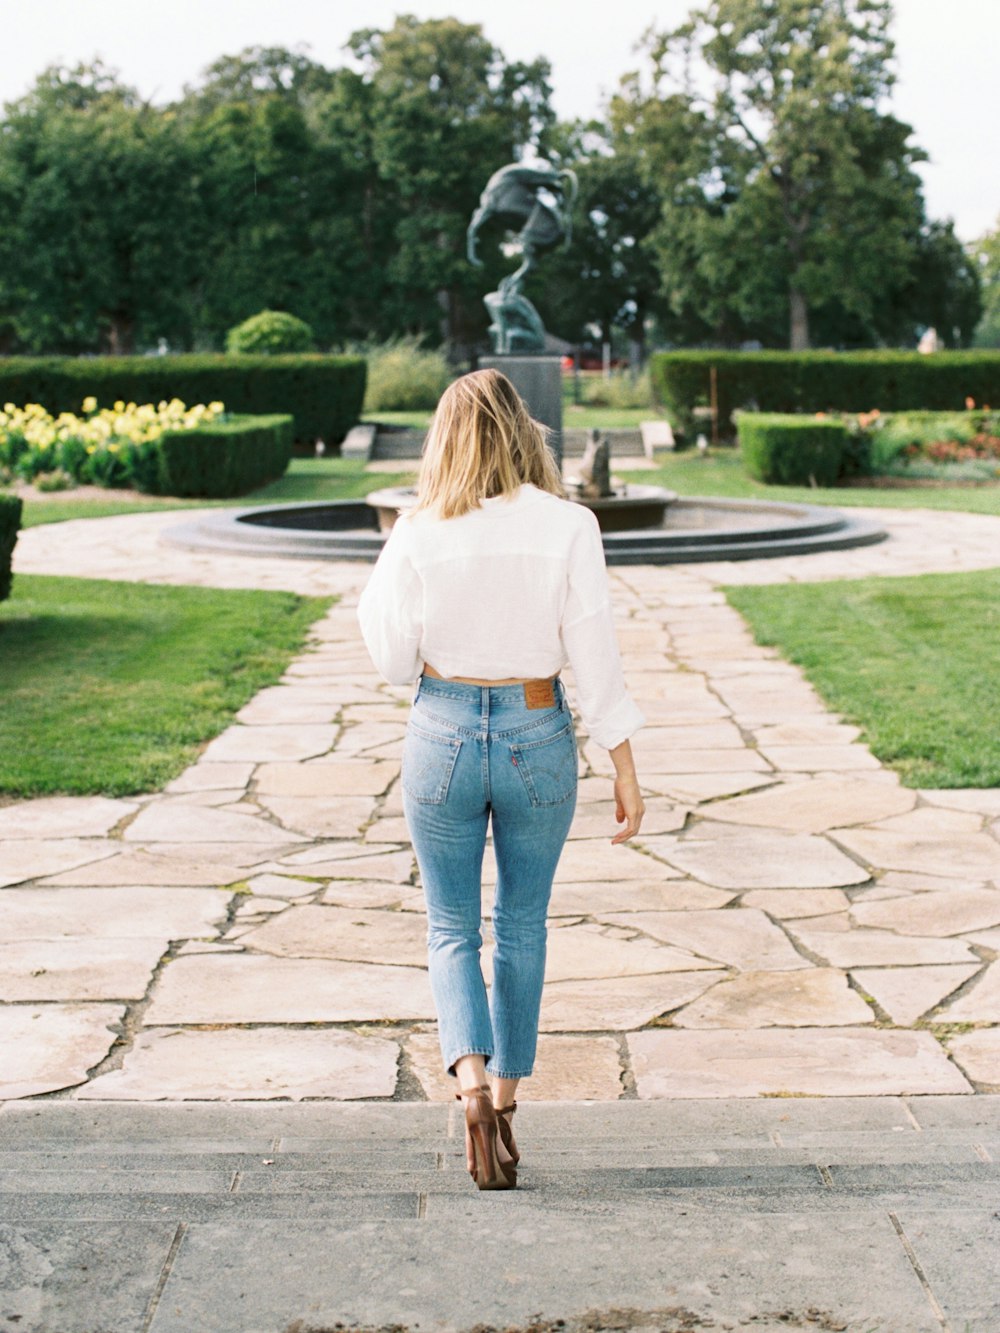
pixel 517 587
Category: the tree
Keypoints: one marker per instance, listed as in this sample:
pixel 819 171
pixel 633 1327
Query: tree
pixel 986 256
pixel 791 201
pixel 94 192
pixel 448 110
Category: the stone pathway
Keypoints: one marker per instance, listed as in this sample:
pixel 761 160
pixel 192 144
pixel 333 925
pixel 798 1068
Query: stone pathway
pixel 791 922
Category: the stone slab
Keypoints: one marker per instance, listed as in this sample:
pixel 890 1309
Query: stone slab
pixel 354 934
pixel 979 1004
pixel 907 993
pixel 280 886
pixel 177 819
pixel 983 800
pixel 819 998
pixel 573 1068
pixel 816 805
pixel 736 858
pixel 877 948
pixel 950 1247
pixel 975 855
pixel 819 758
pixel 594 859
pixel 321 816
pixel 63 817
pixel 269 744
pixel 597 819
pixel 766 1271
pixel 787 904
pixel 77 969
pixel 978 1056
pixel 112 913
pixel 23 859
pixel 393 867
pixel 944 913
pixel 51 1046
pixel 617 1004
pixel 371 893
pixel 644 895
pixel 243 989
pixel 188 866
pixel 742 937
pixel 56 1277
pixel 581 952
pixel 256 1063
pixel 790 1062
pixel 345 777
pixel 211 777
pixel 693 788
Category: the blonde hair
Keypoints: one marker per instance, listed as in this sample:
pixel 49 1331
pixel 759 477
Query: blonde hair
pixel 482 443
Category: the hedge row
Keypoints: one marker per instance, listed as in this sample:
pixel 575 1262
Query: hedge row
pixel 322 393
pixel 822 382
pixel 220 460
pixel 10 521
pixel 793 450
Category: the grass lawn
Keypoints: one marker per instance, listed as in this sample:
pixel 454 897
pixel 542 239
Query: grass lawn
pixel 113 687
pixel 915 662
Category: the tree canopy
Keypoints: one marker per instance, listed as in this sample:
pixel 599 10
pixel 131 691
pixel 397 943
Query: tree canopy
pixel 747 183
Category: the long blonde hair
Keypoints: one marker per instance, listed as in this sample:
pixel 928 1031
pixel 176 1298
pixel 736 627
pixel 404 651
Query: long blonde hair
pixel 482 443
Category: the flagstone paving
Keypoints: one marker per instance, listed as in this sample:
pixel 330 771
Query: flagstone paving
pixel 790 922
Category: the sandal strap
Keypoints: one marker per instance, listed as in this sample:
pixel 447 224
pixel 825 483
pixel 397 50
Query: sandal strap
pixel 507 1110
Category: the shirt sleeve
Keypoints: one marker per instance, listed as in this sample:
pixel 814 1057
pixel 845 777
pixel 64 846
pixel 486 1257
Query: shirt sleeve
pixel 390 611
pixel 609 713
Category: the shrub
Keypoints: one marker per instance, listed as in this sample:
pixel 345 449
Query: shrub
pixel 322 393
pixel 222 459
pixel 822 382
pixel 792 450
pixel 618 390
pixel 270 333
pixel 10 521
pixel 403 376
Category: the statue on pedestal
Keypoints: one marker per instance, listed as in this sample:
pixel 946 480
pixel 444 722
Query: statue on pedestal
pixel 538 200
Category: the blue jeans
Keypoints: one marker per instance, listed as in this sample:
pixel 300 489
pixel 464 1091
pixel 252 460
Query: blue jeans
pixel 473 753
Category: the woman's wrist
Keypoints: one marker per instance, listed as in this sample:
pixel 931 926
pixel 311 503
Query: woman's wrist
pixel 621 757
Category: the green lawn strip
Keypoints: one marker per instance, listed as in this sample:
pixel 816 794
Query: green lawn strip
pixel 721 472
pixel 306 479
pixel 113 687
pixel 915 662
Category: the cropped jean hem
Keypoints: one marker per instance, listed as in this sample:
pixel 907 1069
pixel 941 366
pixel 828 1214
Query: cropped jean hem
pixel 449 1065
pixel 502 1073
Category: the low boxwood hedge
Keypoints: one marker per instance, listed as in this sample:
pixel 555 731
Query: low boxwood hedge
pixel 323 394
pixel 891 381
pixel 792 450
pixel 10 522
pixel 220 460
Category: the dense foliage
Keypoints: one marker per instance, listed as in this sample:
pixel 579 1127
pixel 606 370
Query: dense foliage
pixel 748 184
pixel 269 333
pixel 323 393
pixel 822 382
pixel 792 450
pixel 10 522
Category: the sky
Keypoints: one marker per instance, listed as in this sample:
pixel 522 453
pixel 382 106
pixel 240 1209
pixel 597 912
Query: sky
pixel 947 88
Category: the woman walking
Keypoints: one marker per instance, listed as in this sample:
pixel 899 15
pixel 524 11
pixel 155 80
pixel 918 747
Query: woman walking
pixel 482 593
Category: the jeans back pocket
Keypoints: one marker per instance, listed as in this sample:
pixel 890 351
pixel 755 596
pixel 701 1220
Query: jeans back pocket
pixel 548 766
pixel 428 763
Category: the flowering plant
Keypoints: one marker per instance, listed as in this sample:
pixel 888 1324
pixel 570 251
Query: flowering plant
pixel 111 446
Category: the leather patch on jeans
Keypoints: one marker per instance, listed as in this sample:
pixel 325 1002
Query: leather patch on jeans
pixel 539 694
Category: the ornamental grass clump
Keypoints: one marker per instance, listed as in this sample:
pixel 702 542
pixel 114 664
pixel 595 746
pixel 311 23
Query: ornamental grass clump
pixel 112 446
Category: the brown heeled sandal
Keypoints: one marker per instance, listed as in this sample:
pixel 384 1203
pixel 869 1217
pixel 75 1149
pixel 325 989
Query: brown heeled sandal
pixel 506 1132
pixel 482 1131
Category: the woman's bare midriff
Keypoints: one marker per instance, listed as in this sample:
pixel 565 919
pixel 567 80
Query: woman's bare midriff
pixel 476 680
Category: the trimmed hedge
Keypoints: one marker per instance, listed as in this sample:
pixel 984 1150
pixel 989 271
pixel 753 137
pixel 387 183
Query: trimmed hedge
pixel 10 521
pixel 220 460
pixel 792 451
pixel 892 381
pixel 323 394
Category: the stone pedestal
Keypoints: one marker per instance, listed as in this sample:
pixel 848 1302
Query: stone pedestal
pixel 538 379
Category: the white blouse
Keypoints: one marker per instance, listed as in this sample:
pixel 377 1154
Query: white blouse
pixel 517 587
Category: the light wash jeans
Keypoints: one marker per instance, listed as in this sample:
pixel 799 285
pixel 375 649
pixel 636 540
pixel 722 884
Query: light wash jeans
pixel 471 753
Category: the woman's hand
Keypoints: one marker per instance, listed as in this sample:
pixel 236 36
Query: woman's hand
pixel 629 805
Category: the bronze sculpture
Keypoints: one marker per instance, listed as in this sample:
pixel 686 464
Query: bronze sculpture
pixel 537 199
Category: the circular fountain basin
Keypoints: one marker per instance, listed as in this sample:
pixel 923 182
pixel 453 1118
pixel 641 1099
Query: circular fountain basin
pixel 694 529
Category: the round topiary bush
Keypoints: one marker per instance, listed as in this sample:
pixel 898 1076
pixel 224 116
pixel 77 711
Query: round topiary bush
pixel 269 334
